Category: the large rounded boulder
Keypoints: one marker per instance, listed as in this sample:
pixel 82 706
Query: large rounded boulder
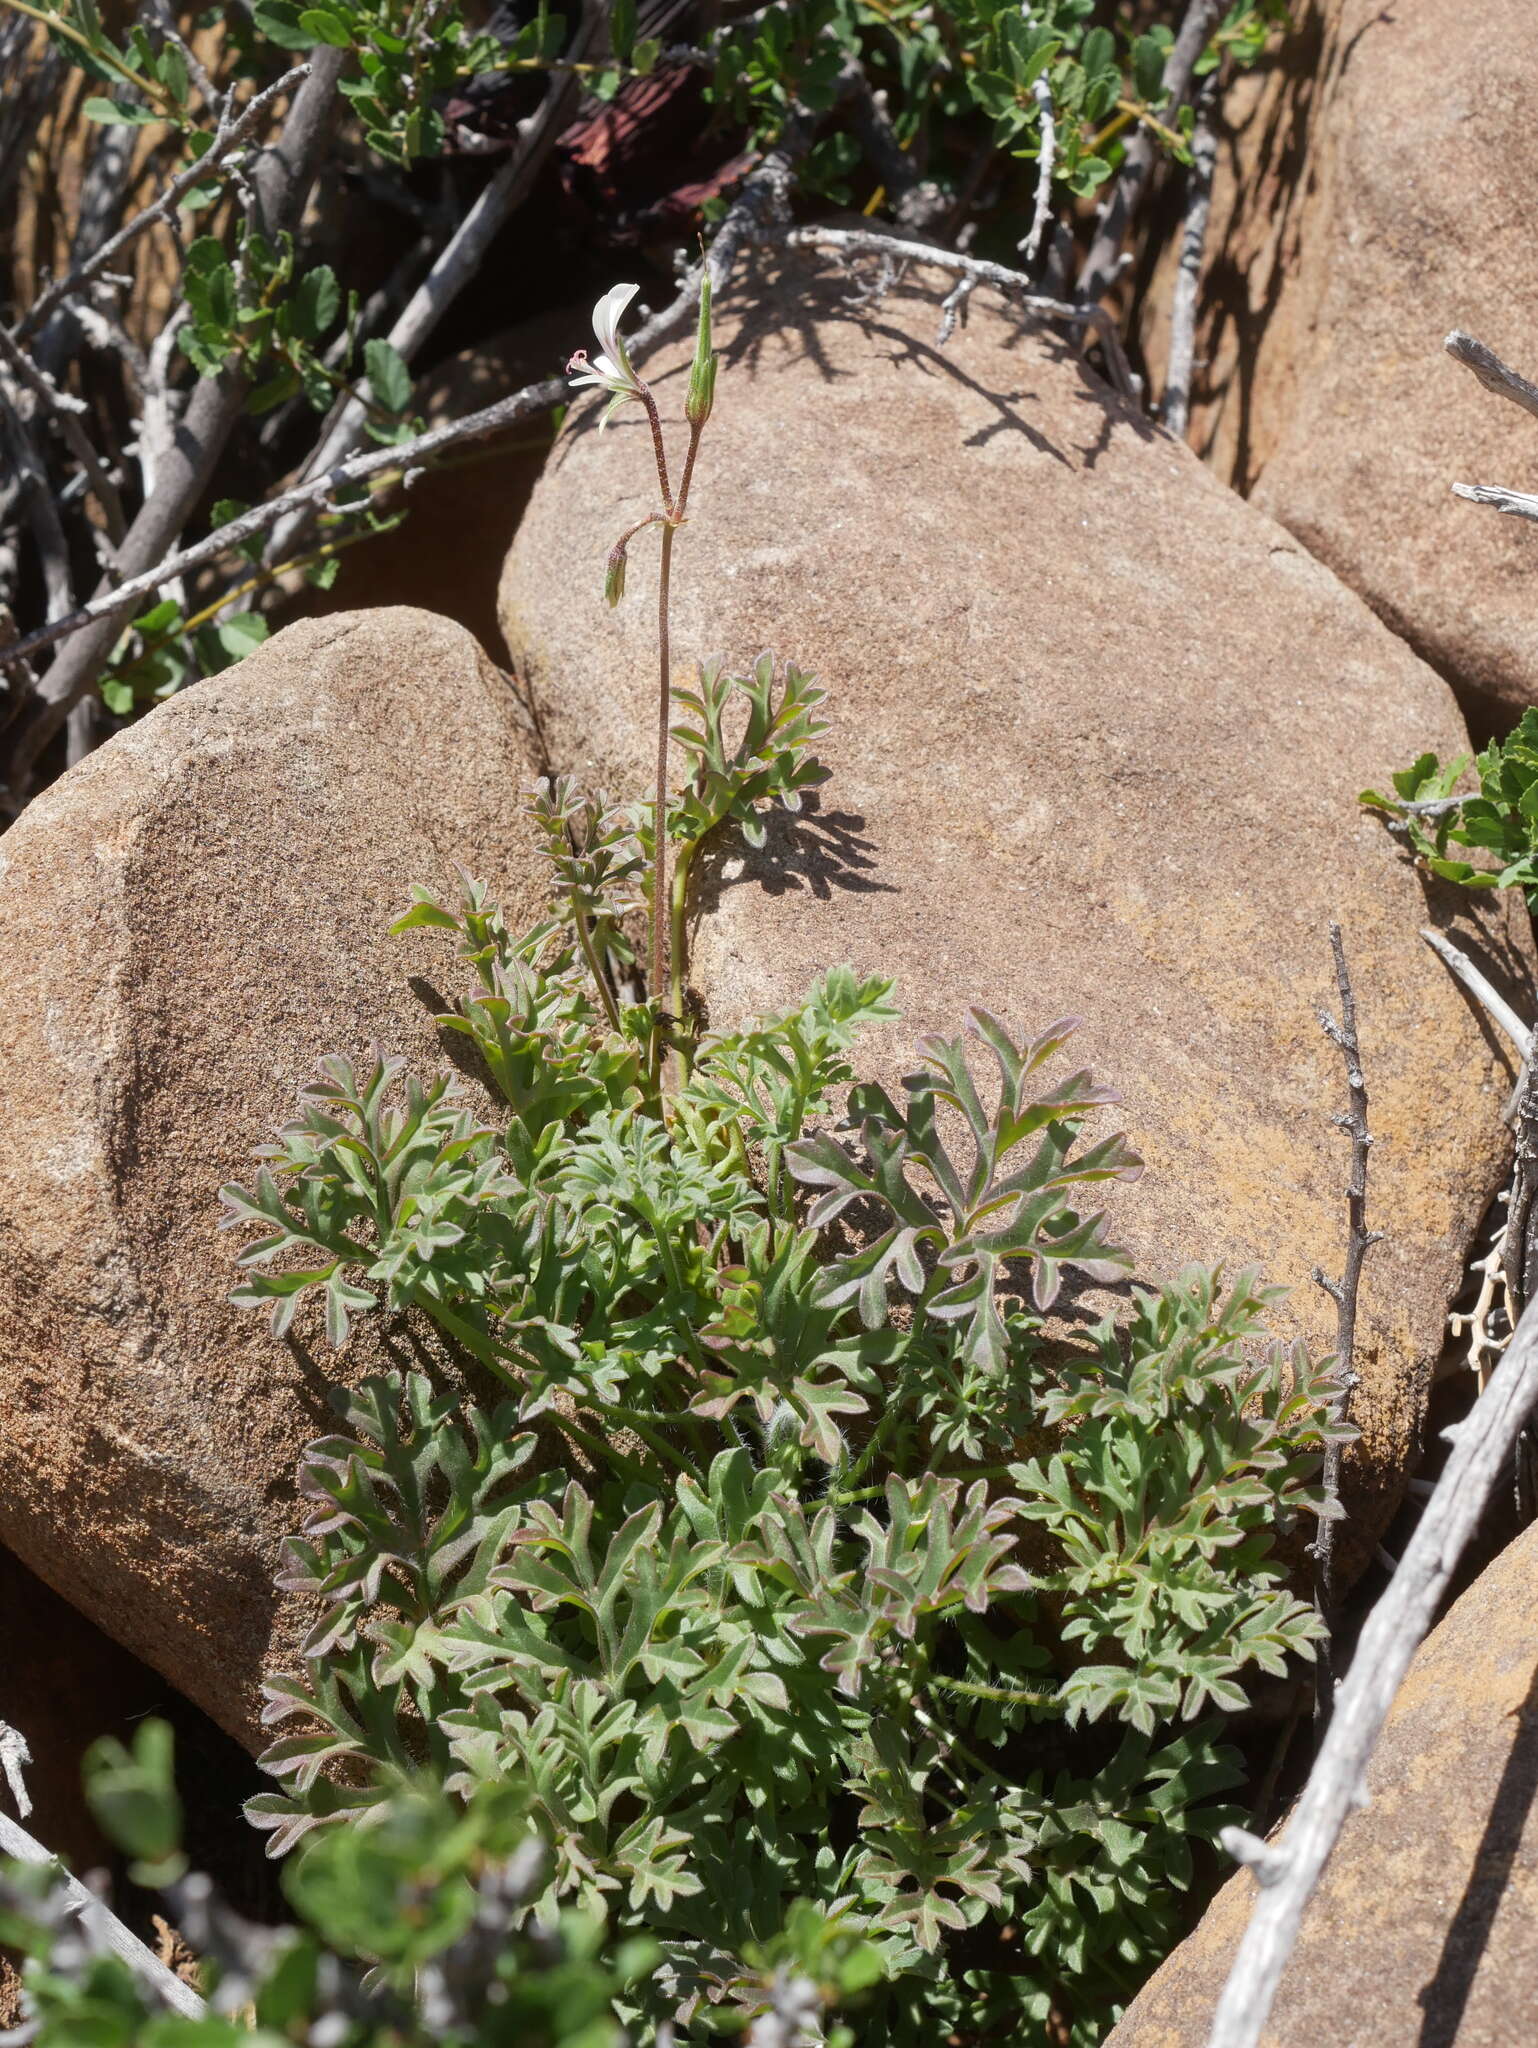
pixel 1099 732
pixel 1374 191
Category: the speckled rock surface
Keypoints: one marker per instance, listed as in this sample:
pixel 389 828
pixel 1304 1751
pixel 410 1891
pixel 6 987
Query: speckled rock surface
pixel 1424 1930
pixel 1099 728
pixel 1375 191
pixel 189 921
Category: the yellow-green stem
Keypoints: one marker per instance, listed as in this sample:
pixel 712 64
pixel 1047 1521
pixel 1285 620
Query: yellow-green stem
pixel 677 904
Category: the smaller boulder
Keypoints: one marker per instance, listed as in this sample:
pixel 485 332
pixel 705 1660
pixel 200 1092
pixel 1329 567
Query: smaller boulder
pixel 189 921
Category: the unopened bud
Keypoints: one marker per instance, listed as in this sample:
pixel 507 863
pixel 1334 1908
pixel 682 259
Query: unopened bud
pixel 702 375
pixel 614 575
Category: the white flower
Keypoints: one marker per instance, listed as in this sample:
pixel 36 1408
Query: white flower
pixel 611 370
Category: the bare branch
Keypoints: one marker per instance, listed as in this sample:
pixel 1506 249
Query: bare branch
pixel 15 1756
pixel 1482 989
pixel 282 178
pixel 159 13
pixel 874 132
pixel 1188 277
pixel 1041 92
pixel 1520 504
pixel 1359 1242
pixel 61 410
pixel 458 262
pixel 1289 1871
pixel 1492 1304
pixel 104 1926
pixel 1121 203
pixel 1491 371
pixel 42 513
pixel 951 308
pixel 763 198
pixel 1014 284
pixel 161 208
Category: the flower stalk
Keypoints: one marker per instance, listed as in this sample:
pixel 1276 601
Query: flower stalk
pixel 612 371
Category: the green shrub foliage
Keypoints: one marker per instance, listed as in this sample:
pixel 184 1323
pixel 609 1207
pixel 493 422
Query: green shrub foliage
pixel 1499 819
pixel 797 1564
pixel 415 1932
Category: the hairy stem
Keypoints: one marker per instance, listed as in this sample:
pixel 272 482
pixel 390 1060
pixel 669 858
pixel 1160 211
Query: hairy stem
pixel 660 820
pixel 659 450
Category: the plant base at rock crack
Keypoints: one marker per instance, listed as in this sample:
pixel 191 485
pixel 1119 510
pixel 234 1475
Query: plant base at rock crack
pixel 848 1585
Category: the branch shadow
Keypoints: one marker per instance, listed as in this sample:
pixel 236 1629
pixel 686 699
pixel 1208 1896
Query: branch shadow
pixel 1444 1998
pixel 789 299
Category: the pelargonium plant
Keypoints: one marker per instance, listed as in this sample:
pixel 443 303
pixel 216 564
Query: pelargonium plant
pixel 820 1554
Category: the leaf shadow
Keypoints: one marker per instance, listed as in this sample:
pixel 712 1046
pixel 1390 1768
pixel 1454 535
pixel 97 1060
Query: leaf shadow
pixel 812 851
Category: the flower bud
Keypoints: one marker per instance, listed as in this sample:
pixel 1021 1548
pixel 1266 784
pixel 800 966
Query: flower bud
pixel 702 375
pixel 614 575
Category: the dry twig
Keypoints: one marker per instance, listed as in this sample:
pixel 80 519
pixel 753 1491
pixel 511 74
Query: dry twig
pixel 1520 504
pixel 1015 285
pixel 1289 1870
pixel 281 180
pixel 1492 1302
pixel 163 206
pixel 1480 988
pixel 1122 201
pixel 457 263
pixel 1188 278
pixel 104 1926
pixel 1343 1292
pixel 1041 212
pixel 1498 377
pixel 15 1756
pixel 762 201
pixel 1491 371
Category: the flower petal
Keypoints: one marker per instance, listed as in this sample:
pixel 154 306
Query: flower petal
pixel 606 318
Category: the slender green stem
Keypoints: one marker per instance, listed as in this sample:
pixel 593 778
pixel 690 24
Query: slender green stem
pixel 102 51
pixel 892 1414
pixel 688 475
pixel 675 1279
pixel 602 1450
pixel 1001 1695
pixel 600 981
pixel 677 906
pixel 632 1419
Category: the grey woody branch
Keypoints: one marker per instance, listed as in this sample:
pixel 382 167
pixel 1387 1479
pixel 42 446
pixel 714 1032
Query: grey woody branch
pixel 762 202
pixel 1046 155
pixel 1360 1240
pixel 1288 1871
pixel 1130 186
pixel 458 262
pixel 1481 989
pixel 1520 504
pixel 1188 276
pixel 163 207
pixel 1014 284
pixel 1495 375
pixel 1498 377
pixel 103 1926
pixel 281 179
